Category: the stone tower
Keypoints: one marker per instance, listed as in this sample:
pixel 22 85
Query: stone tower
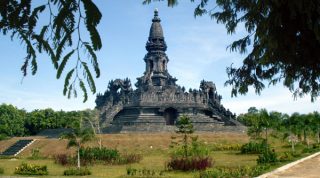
pixel 157 102
pixel 156 73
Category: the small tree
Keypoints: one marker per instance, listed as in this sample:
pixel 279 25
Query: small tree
pixel 185 127
pixel 93 117
pixel 77 138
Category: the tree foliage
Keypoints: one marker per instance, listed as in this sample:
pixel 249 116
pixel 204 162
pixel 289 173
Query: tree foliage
pixel 294 128
pixel 18 122
pixel 77 138
pixel 11 121
pixel 282 42
pixel 60 37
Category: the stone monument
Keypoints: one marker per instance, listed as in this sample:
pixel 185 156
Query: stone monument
pixel 157 102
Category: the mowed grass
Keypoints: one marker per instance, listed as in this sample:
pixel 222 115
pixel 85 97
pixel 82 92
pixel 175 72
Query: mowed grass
pixel 154 147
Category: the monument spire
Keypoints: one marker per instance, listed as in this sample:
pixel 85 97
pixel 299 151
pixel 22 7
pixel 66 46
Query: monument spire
pixel 156 72
pixel 156 39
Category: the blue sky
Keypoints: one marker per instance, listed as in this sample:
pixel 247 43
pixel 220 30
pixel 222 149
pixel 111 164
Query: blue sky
pixel 196 50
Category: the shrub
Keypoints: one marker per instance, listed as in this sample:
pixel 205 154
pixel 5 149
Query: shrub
pixel 63 159
pixel 77 172
pixel 308 150
pixel 316 146
pixel 35 154
pixel 128 158
pixel 267 156
pixel 253 147
pixel 226 147
pixel 92 155
pixel 144 172
pixel 286 156
pixel 190 163
pixel 1 170
pixel 3 137
pixel 195 149
pixel 31 169
pixel 234 172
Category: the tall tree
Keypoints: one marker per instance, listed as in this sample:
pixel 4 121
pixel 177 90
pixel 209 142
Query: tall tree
pixel 282 42
pixel 11 120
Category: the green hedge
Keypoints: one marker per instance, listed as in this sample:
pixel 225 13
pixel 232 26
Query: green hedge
pixel 31 169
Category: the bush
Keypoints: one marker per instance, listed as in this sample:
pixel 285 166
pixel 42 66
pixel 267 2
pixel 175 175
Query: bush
pixel 189 164
pixel 92 155
pixel 31 169
pixel 308 150
pixel 226 147
pixel 286 156
pixel 63 159
pixel 128 159
pixel 253 147
pixel 234 172
pixel 1 170
pixel 267 156
pixel 195 149
pixel 35 154
pixel 3 137
pixel 144 172
pixel 316 146
pixel 77 172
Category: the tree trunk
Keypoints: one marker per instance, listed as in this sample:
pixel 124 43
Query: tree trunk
pixel 78 157
pixel 304 136
pixel 266 137
pixel 292 145
pixel 185 139
pixel 318 136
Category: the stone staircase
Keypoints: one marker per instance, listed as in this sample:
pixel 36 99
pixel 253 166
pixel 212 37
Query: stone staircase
pixel 17 147
pixel 110 113
pixel 139 118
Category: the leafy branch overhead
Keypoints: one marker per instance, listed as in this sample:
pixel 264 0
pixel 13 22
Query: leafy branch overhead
pixel 282 42
pixel 60 38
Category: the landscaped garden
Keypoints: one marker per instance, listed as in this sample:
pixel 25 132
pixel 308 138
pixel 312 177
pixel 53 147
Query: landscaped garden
pixel 272 140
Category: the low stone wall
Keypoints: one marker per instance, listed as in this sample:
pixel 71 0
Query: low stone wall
pixel 153 127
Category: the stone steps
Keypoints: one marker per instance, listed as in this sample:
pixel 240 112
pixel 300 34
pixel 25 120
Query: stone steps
pixel 17 147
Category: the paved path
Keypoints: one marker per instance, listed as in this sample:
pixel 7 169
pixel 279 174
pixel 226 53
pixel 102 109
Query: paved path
pixel 309 168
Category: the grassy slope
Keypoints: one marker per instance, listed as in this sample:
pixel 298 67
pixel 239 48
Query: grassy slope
pixel 153 147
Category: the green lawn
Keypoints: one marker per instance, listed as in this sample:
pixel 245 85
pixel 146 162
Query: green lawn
pixel 153 162
pixel 154 158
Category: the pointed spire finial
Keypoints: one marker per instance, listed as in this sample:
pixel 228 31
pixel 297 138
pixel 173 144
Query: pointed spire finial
pixel 156 18
pixel 156 12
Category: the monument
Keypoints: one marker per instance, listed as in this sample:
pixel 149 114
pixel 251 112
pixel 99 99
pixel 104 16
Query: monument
pixel 157 102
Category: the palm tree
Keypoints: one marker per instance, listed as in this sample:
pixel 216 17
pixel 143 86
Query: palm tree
pixel 77 138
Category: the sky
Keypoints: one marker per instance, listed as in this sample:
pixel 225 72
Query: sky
pixel 197 49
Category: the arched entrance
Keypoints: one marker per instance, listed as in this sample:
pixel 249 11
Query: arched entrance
pixel 170 115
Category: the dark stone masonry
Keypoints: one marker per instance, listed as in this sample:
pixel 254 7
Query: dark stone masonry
pixel 157 102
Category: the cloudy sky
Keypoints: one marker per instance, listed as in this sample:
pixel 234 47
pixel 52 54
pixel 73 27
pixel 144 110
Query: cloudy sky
pixel 196 49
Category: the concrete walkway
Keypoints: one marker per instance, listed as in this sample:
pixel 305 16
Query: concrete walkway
pixel 308 167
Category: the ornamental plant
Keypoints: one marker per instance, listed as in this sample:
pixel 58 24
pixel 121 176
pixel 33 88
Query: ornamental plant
pixel 31 169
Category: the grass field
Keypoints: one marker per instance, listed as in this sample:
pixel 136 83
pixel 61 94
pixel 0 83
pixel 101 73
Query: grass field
pixel 153 147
